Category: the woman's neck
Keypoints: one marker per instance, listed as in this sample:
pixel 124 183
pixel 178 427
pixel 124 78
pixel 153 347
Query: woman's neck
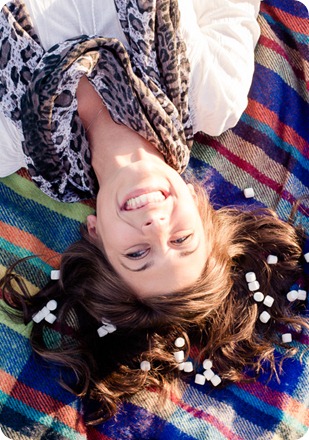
pixel 112 145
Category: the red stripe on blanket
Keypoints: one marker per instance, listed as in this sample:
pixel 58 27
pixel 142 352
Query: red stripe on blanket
pixel 42 402
pixel 273 45
pixel 296 24
pixel 29 242
pixel 294 63
pixel 93 434
pixel 199 414
pixel 246 166
pixel 279 400
pixel 303 339
pixel 23 172
pixel 261 113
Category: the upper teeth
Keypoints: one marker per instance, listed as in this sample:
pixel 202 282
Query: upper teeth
pixel 144 199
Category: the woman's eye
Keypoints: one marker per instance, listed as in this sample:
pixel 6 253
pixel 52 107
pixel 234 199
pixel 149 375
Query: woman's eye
pixel 181 239
pixel 137 255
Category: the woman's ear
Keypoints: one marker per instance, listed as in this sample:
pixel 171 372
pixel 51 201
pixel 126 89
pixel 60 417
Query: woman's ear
pixel 92 226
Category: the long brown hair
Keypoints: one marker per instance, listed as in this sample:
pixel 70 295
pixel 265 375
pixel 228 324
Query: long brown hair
pixel 217 315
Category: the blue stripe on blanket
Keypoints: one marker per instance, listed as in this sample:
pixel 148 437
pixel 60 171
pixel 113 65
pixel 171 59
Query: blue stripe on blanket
pixel 220 190
pixel 290 109
pixel 254 132
pixel 33 422
pixel 22 211
pixel 301 219
pixel 264 409
pixel 36 268
pixel 171 432
pixel 198 423
pixel 278 149
pixel 237 409
pixel 19 352
pixel 283 34
pixel 46 383
pixel 264 137
pixel 289 6
pixel 133 422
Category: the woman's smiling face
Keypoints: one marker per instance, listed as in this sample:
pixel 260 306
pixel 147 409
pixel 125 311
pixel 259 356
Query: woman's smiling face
pixel 151 229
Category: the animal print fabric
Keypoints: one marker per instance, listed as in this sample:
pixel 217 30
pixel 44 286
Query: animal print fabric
pixel 145 88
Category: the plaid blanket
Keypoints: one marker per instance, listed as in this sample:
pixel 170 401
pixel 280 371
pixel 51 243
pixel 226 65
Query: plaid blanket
pixel 267 150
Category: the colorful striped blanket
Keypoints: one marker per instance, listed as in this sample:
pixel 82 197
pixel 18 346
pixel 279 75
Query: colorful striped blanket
pixel 268 150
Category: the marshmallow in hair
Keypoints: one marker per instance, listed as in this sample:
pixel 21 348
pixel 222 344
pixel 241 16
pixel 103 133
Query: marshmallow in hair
pixel 55 275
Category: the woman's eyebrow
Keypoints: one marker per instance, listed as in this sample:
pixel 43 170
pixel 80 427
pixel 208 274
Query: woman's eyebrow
pixel 187 253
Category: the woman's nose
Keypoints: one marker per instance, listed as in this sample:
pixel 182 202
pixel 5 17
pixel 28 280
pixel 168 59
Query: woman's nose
pixel 155 223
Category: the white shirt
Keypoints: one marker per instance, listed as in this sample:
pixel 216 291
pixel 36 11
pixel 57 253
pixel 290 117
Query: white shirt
pixel 220 36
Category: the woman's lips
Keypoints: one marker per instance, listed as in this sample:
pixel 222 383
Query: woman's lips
pixel 142 198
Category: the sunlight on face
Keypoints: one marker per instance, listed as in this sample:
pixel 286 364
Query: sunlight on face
pixel 151 229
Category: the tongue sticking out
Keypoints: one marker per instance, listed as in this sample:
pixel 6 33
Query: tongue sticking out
pixel 144 199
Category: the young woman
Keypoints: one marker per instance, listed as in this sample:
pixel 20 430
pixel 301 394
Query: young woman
pixel 113 116
pixel 159 266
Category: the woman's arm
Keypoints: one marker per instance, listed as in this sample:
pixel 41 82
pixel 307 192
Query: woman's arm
pixel 221 36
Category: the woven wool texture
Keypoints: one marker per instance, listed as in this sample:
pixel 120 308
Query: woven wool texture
pixel 267 150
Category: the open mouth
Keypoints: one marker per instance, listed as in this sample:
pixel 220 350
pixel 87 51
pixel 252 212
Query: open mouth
pixel 143 200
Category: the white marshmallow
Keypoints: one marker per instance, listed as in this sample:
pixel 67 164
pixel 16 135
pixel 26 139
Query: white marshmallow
pixel 250 276
pixel 209 374
pixel 145 366
pixel 272 259
pixel 110 327
pixel 258 296
pixel 188 367
pixel 248 192
pixel 200 379
pixel 180 342
pixel 181 366
pixel 254 285
pixel 45 312
pixel 306 256
pixel 215 380
pixel 52 305
pixel 268 301
pixel 55 275
pixel 38 317
pixel 302 295
pixel 102 331
pixel 179 356
pixel 264 317
pixel 51 318
pixel 106 328
pixel 287 337
pixel 292 295
pixel 207 364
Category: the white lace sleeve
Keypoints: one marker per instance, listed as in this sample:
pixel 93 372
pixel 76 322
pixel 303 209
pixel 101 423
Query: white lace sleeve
pixel 221 36
pixel 11 153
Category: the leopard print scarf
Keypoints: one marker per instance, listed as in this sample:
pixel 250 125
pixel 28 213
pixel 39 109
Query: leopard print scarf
pixel 144 87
